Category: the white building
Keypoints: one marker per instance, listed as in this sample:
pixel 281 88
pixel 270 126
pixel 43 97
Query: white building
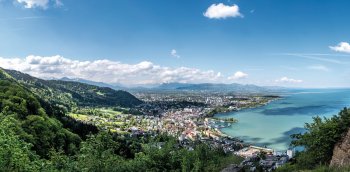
pixel 290 153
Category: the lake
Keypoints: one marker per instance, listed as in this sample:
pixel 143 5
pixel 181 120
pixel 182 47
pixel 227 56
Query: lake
pixel 271 125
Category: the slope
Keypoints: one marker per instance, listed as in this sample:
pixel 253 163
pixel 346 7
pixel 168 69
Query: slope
pixel 71 94
pixel 29 121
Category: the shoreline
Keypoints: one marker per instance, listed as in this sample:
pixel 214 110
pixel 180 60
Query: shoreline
pixel 246 144
pixel 228 110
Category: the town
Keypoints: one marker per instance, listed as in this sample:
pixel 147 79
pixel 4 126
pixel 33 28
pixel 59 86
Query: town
pixel 189 118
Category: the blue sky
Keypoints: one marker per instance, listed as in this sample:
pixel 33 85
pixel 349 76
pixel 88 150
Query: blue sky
pixel 264 42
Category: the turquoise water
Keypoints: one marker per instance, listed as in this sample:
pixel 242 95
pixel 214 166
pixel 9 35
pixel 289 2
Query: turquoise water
pixel 271 125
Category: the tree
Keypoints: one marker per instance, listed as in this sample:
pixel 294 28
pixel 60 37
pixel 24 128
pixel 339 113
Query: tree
pixel 320 139
pixel 15 154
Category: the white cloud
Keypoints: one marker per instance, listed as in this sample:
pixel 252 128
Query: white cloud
pixel 44 4
pixel 319 67
pixel 288 80
pixel 108 71
pixel 219 11
pixel 343 47
pixel 174 53
pixel 238 75
pixel 34 3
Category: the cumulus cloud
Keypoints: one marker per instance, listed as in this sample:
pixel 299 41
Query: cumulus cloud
pixel 343 47
pixel 238 75
pixel 173 53
pixel 107 71
pixel 39 3
pixel 288 80
pixel 221 11
pixel 319 68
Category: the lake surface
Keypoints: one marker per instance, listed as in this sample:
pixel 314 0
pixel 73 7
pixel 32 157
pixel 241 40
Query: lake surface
pixel 271 125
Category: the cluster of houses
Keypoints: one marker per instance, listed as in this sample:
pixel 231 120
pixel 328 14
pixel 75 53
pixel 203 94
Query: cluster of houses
pixel 263 158
pixel 190 125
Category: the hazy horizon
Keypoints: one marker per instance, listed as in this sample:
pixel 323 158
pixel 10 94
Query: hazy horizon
pixel 159 84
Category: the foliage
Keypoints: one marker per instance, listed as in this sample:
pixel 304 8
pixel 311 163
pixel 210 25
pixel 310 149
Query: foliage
pixel 33 125
pixel 15 154
pixel 162 153
pixel 320 139
pixel 68 94
pixel 217 110
pixel 230 120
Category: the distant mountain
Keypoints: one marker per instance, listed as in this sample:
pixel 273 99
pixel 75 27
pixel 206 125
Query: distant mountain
pixel 234 87
pixel 100 84
pixel 71 93
pixel 209 87
pixel 173 86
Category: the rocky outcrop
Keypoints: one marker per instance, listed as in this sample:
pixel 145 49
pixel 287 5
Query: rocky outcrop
pixel 341 152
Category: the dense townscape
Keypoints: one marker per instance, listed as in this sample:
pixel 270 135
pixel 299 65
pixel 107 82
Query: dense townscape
pixel 182 118
pixel 189 121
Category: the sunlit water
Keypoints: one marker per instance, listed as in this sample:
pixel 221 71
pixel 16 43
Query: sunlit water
pixel 272 125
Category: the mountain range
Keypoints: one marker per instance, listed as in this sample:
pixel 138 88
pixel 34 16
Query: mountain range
pixel 234 87
pixel 175 86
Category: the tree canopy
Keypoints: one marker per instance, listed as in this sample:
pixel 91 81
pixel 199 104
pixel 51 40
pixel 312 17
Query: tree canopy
pixel 319 140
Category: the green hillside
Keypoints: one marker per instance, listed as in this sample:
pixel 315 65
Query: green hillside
pixel 23 119
pixel 71 94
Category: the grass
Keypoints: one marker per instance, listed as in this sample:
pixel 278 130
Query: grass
pixel 100 93
pixel 103 117
pixel 118 131
pixel 110 112
pixel 79 117
pixel 118 123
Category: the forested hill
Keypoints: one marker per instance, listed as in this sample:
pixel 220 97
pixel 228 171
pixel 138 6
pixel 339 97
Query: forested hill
pixel 25 126
pixel 70 94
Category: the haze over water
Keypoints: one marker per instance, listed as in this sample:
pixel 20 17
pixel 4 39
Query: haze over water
pixel 271 125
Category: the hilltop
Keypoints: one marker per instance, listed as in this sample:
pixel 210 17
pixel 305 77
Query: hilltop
pixel 71 93
pixel 99 84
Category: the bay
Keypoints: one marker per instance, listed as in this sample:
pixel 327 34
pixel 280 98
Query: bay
pixel 271 125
